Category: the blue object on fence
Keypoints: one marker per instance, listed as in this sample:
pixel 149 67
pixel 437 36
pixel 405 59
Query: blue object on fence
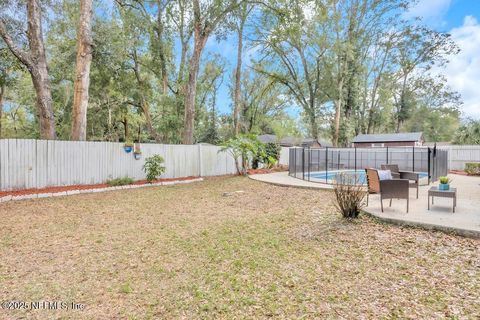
pixel 128 149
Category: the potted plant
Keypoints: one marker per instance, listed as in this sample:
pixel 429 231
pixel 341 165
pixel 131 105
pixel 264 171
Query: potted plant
pixel 128 147
pixel 444 183
pixel 137 153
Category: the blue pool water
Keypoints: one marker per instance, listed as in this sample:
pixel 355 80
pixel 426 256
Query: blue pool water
pixel 358 176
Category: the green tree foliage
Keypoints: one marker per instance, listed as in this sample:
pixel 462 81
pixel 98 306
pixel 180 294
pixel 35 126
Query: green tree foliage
pixel 243 149
pixel 468 133
pixel 331 69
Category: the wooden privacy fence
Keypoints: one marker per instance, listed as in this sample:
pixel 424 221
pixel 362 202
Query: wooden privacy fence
pixel 28 163
pixel 461 154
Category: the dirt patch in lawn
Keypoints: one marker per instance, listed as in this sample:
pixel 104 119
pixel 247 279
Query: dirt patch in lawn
pixel 227 248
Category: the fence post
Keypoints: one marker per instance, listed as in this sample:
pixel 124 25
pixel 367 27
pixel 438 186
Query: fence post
pixel 387 154
pixel 318 160
pixel 428 166
pixel 200 160
pixel 309 161
pixel 303 163
pixel 326 164
pixel 413 158
pixel 355 159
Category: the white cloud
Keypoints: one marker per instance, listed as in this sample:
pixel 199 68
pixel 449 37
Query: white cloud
pixel 431 11
pixel 463 71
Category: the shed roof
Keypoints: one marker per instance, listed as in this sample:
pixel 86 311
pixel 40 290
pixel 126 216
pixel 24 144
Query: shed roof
pixel 389 137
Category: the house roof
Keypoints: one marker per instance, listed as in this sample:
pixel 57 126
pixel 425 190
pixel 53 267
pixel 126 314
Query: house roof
pixel 290 141
pixel 389 137
pixel 267 138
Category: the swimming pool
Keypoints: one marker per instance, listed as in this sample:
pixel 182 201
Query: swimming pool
pixel 356 176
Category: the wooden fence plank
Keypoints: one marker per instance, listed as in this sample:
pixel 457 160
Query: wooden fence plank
pixel 28 163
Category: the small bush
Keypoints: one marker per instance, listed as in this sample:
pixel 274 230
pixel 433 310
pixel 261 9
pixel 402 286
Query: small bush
pixel 153 167
pixel 268 154
pixel 243 148
pixel 120 181
pixel 349 195
pixel 472 168
pixel 444 180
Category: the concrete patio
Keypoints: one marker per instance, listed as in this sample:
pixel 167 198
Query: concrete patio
pixel 465 220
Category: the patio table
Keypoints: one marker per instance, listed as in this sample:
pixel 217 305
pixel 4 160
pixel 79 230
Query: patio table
pixel 450 193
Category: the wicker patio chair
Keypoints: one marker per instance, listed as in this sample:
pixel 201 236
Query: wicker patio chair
pixel 397 174
pixel 388 189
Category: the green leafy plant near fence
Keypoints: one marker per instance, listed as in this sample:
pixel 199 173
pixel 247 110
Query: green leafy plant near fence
pixel 243 148
pixel 472 168
pixel 120 181
pixel 153 167
pixel 268 154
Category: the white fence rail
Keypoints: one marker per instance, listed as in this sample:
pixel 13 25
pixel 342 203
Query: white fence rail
pixel 461 154
pixel 26 163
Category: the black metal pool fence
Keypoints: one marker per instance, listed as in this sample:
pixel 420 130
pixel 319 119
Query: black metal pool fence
pixel 318 164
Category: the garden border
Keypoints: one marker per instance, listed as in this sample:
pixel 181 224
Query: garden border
pixel 79 189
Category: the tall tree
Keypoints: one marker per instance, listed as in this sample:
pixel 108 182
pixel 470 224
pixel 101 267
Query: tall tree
pixel 82 71
pixel 419 49
pixel 294 47
pixel 35 61
pixel 241 19
pixel 207 16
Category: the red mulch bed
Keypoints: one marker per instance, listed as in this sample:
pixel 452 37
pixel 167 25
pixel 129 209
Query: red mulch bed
pixel 80 187
pixel 263 171
pixel 459 172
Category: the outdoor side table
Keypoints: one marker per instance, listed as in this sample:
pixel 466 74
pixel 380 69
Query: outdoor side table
pixel 450 193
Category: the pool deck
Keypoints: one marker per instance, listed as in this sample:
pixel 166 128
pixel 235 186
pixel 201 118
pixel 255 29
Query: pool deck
pixel 465 221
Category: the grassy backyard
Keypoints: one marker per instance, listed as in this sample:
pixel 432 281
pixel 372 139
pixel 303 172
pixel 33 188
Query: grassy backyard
pixel 189 251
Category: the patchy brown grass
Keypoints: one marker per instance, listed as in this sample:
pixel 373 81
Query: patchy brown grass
pixel 188 251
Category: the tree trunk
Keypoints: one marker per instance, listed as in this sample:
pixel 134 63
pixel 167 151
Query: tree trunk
pixel 161 49
pixel 148 119
pixel 39 74
pixel 180 80
pixel 313 123
pixel 238 71
pixel 191 90
pixel 125 128
pixel 2 93
pixel 82 72
pixel 338 110
pixel 143 100
pixel 36 63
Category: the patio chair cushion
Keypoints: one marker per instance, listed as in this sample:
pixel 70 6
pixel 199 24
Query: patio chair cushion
pixel 384 174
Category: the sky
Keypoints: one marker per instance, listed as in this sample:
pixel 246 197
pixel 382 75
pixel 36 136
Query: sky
pixel 460 18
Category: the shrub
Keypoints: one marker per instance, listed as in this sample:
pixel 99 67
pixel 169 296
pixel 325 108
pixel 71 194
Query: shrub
pixel 153 167
pixel 472 168
pixel 444 180
pixel 273 150
pixel 268 154
pixel 120 181
pixel 244 147
pixel 349 195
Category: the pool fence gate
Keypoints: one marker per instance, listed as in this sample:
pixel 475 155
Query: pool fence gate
pixel 305 161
